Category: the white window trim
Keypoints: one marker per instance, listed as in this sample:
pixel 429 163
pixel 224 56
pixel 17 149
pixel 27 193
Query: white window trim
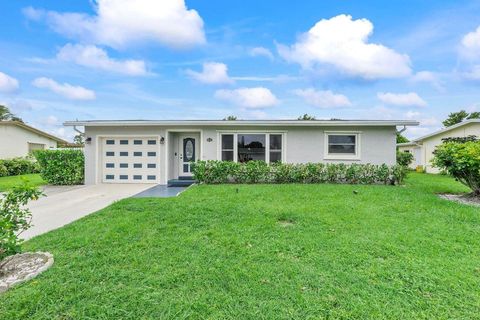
pixel 235 142
pixel 339 156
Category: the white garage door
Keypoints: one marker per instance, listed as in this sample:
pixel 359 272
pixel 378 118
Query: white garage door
pixel 130 159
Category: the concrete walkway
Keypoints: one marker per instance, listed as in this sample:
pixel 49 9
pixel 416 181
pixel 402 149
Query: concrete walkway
pixel 63 205
pixel 160 191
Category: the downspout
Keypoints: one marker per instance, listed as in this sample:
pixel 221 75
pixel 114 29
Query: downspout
pixel 404 128
pixel 80 132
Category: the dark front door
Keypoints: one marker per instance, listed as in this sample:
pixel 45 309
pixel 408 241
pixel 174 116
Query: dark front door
pixel 187 155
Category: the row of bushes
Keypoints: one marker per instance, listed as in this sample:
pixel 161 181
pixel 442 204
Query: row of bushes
pixel 61 167
pixel 17 166
pixel 216 172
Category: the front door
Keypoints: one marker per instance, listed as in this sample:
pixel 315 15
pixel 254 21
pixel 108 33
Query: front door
pixel 188 147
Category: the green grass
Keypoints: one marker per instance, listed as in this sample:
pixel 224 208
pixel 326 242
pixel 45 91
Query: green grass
pixel 264 252
pixel 7 183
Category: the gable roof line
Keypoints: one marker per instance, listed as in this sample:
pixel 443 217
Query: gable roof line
pixel 35 130
pixel 460 124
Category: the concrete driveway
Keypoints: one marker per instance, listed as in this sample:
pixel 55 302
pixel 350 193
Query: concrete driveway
pixel 63 205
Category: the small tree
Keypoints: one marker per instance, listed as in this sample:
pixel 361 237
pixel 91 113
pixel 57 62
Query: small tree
pixel 79 139
pixel 230 118
pixel 15 218
pixel 404 158
pixel 306 116
pixel 462 161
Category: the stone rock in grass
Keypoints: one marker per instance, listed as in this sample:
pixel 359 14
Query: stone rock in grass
pixel 23 267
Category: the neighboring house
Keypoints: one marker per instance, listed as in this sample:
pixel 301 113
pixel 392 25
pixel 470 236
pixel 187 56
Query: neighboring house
pixel 18 139
pixel 423 147
pixel 148 151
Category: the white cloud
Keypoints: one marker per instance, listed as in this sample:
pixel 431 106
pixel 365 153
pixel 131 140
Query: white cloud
pixel 261 52
pixel 94 57
pixel 66 90
pixel 212 73
pixel 120 23
pixel 428 77
pixel 343 43
pixel 470 45
pixel 255 98
pixel 410 99
pixel 8 84
pixel 323 99
pixel 49 121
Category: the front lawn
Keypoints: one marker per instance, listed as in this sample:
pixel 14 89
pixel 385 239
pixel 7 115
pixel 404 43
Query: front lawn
pixel 264 252
pixel 7 183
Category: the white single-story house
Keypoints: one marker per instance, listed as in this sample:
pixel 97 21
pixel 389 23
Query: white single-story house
pixel 150 151
pixel 423 147
pixel 18 139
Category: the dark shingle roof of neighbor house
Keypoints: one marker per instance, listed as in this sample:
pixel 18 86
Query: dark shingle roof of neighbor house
pixel 460 124
pixel 34 130
pixel 299 123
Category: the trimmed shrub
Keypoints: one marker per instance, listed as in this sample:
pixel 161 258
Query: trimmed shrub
pixel 61 167
pixel 17 166
pixel 404 158
pixel 215 172
pixel 460 160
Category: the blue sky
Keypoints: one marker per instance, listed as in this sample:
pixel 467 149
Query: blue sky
pixel 111 59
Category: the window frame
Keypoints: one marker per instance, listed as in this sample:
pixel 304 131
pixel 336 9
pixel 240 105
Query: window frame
pixel 343 156
pixel 235 134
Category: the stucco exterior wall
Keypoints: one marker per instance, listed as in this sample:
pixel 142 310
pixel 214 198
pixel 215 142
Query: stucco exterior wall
pixel 14 141
pixel 301 144
pixel 428 145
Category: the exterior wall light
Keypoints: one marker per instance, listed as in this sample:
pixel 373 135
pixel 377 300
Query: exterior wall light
pixel 162 140
pixel 209 139
pixel 88 140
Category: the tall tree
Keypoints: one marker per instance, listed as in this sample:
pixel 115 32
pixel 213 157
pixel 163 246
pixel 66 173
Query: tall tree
pixel 79 139
pixel 230 118
pixel 6 115
pixel 306 116
pixel 457 117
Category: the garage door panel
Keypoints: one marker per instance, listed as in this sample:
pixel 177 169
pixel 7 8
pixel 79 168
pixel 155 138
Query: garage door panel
pixel 130 160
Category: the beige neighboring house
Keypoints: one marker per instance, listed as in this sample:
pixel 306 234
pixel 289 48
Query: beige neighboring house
pixel 18 139
pixel 423 147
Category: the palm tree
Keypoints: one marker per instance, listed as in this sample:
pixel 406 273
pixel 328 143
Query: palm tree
pixel 6 115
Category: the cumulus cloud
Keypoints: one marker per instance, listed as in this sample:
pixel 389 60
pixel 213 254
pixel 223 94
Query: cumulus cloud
pixel 470 45
pixel 254 98
pixel 323 99
pixel 65 90
pixel 261 52
pixel 410 99
pixel 212 73
pixel 120 23
pixel 7 83
pixel 343 43
pixel 94 57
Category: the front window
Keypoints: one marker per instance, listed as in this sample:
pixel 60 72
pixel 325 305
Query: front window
pixel 342 145
pixel 244 147
pixel 251 147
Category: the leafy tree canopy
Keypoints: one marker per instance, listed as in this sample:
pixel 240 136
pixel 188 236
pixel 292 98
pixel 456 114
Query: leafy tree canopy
pixel 401 138
pixel 230 118
pixel 457 117
pixel 306 117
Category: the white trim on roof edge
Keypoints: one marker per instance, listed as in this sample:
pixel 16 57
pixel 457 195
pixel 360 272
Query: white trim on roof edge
pixel 293 123
pixel 461 124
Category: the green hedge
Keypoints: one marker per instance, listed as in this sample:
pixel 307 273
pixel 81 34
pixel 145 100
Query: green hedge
pixel 17 166
pixel 215 172
pixel 61 167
